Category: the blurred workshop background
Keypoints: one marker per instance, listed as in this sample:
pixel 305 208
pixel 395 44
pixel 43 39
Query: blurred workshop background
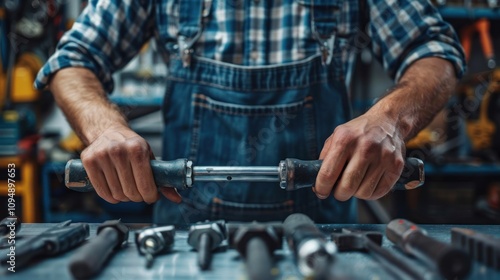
pixel 461 148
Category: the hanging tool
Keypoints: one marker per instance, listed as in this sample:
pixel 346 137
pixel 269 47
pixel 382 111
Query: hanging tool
pixel 313 253
pixel 482 27
pixel 90 258
pixel 292 174
pixel 54 241
pixel 451 262
pixel 154 241
pixel 206 237
pixel 256 243
pixel 482 247
pixel 371 242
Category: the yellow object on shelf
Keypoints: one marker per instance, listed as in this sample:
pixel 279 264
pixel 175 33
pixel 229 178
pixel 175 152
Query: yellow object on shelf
pixel 481 130
pixel 23 76
pixel 26 195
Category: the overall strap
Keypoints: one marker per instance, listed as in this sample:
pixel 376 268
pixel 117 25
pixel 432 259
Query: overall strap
pixel 324 15
pixel 192 15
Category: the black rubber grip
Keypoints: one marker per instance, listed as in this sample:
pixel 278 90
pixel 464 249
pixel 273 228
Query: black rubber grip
pixel 89 259
pixel 451 262
pixel 303 173
pixel 205 251
pixel 170 174
pixel 258 260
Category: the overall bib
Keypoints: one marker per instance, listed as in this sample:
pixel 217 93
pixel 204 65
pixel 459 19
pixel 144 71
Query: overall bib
pixel 217 113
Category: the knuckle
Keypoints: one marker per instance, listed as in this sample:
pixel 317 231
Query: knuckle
pixel 399 163
pixel 138 148
pixel 89 160
pixel 325 175
pixel 343 138
pixel 369 147
pixel 117 151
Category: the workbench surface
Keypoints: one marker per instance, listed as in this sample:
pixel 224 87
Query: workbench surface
pixel 226 264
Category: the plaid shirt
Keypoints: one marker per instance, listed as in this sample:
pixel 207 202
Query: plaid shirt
pixel 109 33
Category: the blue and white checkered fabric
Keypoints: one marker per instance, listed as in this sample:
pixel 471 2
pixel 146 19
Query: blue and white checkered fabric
pixel 254 33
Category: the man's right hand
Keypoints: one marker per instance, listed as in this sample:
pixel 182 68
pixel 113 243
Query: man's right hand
pixel 117 159
pixel 117 163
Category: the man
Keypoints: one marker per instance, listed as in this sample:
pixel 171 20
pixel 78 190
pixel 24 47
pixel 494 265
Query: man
pixel 252 83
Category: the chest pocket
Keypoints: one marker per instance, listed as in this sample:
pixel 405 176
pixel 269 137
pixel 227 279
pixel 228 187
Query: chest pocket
pixel 324 16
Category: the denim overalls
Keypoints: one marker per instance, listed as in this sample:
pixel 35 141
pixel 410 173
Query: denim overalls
pixel 222 114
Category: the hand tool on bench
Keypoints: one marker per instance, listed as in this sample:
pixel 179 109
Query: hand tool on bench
pixel 54 241
pixel 154 241
pixel 9 226
pixel 206 237
pixel 371 242
pixel 292 174
pixel 256 243
pixel 90 258
pixel 482 247
pixel 313 253
pixel 450 261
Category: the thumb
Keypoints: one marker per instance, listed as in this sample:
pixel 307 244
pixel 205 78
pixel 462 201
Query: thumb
pixel 171 194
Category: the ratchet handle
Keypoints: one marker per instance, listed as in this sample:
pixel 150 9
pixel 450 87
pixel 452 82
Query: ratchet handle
pixel 296 174
pixel 173 174
pixel 293 174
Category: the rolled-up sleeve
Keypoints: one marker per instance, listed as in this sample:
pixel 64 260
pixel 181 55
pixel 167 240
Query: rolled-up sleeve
pixel 104 38
pixel 403 32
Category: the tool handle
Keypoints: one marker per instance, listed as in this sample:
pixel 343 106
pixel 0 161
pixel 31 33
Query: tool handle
pixel 171 174
pixel 302 174
pixel 258 260
pixel 205 251
pixel 90 258
pixel 24 254
pixel 451 262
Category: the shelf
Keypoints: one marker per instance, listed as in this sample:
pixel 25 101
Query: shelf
pixel 465 13
pixel 155 101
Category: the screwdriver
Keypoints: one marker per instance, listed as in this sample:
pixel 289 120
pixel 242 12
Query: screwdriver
pixel 89 260
pixel 450 261
pixel 206 237
pixel 256 243
pixel 292 174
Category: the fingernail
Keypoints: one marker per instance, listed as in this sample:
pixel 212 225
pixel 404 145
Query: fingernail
pixel 320 196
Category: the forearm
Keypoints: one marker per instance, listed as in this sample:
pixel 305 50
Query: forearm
pixel 82 99
pixel 422 91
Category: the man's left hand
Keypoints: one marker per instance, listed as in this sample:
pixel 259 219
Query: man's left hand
pixel 362 158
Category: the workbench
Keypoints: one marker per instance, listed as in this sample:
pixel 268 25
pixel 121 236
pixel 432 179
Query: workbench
pixel 181 262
